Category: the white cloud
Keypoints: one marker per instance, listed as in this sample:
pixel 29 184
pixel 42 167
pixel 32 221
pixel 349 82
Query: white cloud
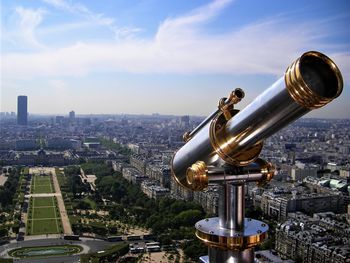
pixel 24 31
pixel 99 19
pixel 180 46
pixel 196 17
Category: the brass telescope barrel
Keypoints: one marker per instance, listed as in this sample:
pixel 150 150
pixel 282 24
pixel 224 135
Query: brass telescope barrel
pixel 311 82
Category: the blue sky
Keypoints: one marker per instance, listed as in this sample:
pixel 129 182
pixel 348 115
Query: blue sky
pixel 170 57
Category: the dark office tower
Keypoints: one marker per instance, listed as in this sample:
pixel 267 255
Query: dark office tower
pixel 185 121
pixel 22 110
pixel 72 116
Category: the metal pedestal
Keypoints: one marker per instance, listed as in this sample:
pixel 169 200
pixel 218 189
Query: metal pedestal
pixel 230 256
pixel 231 237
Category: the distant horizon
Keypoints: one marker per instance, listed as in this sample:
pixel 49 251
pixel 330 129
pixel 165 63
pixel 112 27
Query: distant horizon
pixel 143 114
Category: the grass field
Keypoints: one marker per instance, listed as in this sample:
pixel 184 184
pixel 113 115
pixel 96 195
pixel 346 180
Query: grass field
pixel 42 184
pixel 43 216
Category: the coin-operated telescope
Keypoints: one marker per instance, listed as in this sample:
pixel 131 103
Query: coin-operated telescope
pixel 225 147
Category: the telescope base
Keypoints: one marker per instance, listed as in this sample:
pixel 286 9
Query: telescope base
pixel 209 231
pixel 204 259
pixel 229 245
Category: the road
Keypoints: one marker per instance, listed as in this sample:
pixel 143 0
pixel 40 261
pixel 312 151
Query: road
pixel 63 259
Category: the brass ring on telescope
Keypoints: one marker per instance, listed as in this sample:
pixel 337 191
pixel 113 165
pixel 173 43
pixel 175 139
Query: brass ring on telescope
pixel 196 176
pixel 267 170
pixel 224 143
pixel 300 91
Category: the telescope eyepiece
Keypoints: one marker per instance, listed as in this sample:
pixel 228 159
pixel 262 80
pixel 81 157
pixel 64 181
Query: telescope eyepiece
pixel 313 80
pixel 239 93
pixel 319 76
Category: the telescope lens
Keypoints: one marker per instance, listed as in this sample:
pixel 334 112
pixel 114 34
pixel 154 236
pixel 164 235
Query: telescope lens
pixel 319 76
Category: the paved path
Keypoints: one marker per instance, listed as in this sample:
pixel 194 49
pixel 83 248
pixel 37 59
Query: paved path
pixel 42 237
pixel 3 179
pixel 41 170
pixel 67 229
pixel 43 195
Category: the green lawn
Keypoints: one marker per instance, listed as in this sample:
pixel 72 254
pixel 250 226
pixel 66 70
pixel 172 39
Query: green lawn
pixel 41 227
pixel 42 185
pixel 44 201
pixel 92 203
pixel 44 212
pixel 42 179
pixel 43 217
pixel 42 189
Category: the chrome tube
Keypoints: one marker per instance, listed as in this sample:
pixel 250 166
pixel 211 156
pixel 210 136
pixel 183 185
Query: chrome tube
pixel 231 206
pixel 198 148
pixel 235 95
pixel 233 178
pixel 311 82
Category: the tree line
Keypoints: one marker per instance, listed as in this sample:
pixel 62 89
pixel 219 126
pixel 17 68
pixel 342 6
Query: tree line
pixel 8 190
pixel 168 219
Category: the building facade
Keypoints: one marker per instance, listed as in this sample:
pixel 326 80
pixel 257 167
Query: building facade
pixel 22 110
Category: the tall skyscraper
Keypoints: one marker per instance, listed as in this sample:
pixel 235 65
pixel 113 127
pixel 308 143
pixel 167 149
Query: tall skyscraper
pixel 72 116
pixel 185 121
pixel 22 110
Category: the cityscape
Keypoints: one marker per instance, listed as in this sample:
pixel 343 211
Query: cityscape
pixel 152 131
pixel 108 178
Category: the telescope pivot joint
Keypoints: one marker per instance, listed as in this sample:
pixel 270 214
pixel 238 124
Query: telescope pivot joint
pixel 199 175
pixel 226 105
pixel 186 137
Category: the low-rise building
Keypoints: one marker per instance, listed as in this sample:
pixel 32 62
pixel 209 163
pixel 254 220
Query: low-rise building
pixel 42 157
pixel 277 203
pixel 26 145
pixel 307 240
pixel 139 163
pixel 208 199
pixel 153 190
pixel 133 176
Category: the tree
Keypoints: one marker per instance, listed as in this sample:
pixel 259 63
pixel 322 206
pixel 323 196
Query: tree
pixel 188 217
pixel 83 205
pixel 195 249
pixel 3 231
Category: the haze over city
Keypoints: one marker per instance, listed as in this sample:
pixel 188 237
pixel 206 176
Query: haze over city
pixel 174 57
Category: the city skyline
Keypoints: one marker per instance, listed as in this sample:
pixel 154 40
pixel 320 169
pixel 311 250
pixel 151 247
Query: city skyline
pixel 172 58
